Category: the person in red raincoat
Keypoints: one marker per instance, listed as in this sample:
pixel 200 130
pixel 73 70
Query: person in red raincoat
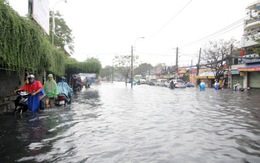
pixel 36 89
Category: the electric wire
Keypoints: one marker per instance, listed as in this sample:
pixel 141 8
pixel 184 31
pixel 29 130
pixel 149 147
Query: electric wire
pixel 226 29
pixel 158 31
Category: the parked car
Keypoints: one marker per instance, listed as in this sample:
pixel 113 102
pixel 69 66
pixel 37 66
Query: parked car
pixel 142 81
pixel 179 83
pixel 152 82
pixel 188 84
pixel 161 82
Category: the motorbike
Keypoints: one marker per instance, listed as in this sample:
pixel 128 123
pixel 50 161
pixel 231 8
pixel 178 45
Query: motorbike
pixel 62 100
pixel 79 86
pixel 20 102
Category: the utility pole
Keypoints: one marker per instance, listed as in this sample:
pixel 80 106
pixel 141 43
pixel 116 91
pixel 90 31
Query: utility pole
pixel 229 67
pixel 113 72
pixel 177 57
pixel 198 66
pixel 132 65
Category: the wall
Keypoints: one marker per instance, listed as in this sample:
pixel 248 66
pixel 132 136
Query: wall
pixel 9 81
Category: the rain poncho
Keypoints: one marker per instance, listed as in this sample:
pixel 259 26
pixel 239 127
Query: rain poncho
pixel 216 85
pixel 50 88
pixel 202 86
pixel 64 88
pixel 33 101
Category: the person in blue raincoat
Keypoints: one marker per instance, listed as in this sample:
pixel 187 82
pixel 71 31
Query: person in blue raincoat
pixel 202 85
pixel 64 88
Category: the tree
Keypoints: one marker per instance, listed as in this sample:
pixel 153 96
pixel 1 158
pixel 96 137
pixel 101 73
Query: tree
pixel 216 54
pixel 107 73
pixel 23 45
pixel 63 34
pixel 91 65
pixel 160 68
pixel 123 65
pixel 143 68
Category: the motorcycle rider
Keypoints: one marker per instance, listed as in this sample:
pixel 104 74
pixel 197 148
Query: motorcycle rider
pixel 64 88
pixel 36 89
pixel 51 89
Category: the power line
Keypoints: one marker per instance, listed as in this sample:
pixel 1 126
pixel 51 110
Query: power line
pixel 219 32
pixel 170 19
pixel 152 54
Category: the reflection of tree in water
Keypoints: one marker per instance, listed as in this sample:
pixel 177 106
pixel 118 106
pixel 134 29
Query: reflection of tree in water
pixel 89 98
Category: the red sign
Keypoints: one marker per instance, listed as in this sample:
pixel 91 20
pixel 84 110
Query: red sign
pixel 242 53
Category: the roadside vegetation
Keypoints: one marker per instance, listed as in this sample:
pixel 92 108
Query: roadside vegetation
pixel 24 46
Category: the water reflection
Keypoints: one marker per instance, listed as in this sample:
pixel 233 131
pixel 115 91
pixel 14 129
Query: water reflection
pixel 111 123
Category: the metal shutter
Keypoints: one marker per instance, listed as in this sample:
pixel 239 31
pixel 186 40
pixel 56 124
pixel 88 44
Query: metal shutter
pixel 254 80
pixel 236 78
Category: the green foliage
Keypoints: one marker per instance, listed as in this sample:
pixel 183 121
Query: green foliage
pixel 63 34
pixel 106 72
pixel 91 65
pixel 23 44
pixel 143 68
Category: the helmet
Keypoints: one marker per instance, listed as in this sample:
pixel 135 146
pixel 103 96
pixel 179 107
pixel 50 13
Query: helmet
pixel 30 76
pixel 63 78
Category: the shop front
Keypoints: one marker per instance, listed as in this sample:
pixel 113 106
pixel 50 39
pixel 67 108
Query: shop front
pixel 252 73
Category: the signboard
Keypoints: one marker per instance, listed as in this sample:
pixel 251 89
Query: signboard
pixel 242 53
pixel 242 73
pixel 41 14
pixel 251 60
pixel 182 70
pixel 249 69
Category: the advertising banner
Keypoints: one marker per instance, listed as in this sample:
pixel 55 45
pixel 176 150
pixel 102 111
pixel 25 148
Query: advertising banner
pixel 41 14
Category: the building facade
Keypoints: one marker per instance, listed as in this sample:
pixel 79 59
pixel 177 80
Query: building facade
pixel 249 69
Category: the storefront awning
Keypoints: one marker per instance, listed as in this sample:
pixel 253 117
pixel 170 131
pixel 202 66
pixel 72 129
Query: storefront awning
pixel 249 69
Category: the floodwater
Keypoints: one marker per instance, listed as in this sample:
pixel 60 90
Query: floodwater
pixel 111 123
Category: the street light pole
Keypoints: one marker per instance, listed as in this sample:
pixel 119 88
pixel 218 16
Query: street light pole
pixel 53 27
pixel 53 21
pixel 132 61
pixel 132 66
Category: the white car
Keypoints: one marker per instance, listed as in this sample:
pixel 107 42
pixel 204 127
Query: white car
pixel 179 83
pixel 161 82
pixel 142 81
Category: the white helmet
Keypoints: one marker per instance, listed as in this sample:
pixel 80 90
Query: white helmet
pixel 30 76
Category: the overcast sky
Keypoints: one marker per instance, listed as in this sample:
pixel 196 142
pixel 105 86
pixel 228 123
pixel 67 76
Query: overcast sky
pixel 105 28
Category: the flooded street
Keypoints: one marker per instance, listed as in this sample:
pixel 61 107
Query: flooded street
pixel 111 123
